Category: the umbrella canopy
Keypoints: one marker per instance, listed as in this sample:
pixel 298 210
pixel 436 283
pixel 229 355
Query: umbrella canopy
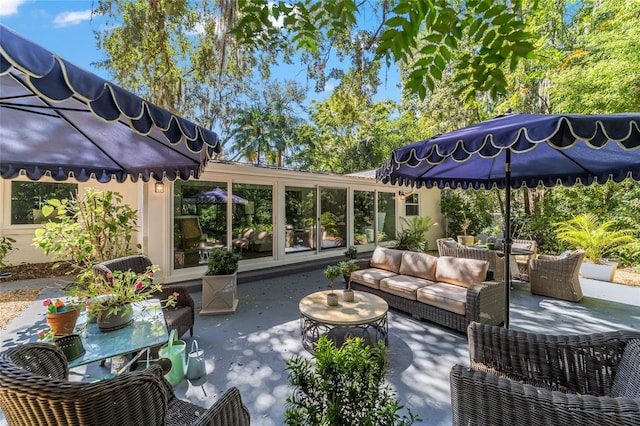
pixel 215 196
pixel 522 149
pixel 57 119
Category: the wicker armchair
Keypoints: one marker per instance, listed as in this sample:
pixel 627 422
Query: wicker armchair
pixel 557 276
pixel 496 262
pixel 447 247
pixel 34 390
pixel 182 317
pixel 522 260
pixel 527 379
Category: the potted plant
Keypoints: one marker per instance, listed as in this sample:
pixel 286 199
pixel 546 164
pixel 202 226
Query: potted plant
pixel 464 239
pixel 597 239
pixel 332 272
pixel 109 298
pixel 344 386
pixel 219 283
pixel 346 268
pixel 351 253
pixel 61 318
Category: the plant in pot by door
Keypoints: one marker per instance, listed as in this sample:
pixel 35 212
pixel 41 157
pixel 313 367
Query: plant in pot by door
pixel 219 284
pixel 109 299
pixel 346 268
pixel 597 239
pixel 332 272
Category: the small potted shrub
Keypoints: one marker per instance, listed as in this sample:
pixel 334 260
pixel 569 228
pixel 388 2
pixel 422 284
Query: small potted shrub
pixel 219 284
pixel 346 268
pixel 332 272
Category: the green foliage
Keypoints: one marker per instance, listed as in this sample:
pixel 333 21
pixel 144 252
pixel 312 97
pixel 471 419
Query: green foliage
pixel 90 229
pixel 412 237
pixel 351 253
pixel 347 267
pixel 596 238
pixel 6 246
pixel 222 262
pixel 344 387
pixel 332 272
pixel 460 207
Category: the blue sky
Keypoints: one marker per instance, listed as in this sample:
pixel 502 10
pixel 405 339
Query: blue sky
pixel 65 27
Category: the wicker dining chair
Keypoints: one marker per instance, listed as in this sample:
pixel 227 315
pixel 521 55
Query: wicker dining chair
pixel 34 391
pixel 525 379
pixel 182 317
pixel 557 276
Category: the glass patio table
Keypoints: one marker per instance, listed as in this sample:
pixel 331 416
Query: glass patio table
pixel 147 330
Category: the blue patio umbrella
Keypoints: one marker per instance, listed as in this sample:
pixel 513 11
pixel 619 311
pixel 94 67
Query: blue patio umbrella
pixel 522 149
pixel 59 120
pixel 215 196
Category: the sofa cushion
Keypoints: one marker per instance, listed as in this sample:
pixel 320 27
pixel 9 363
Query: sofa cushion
pixel 371 276
pixel 403 285
pixel 627 380
pixel 385 258
pixel 461 271
pixel 445 296
pixel 420 265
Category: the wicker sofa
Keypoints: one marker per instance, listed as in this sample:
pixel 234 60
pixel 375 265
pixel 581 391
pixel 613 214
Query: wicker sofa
pixel 518 378
pixel 182 317
pixel 34 390
pixel 446 290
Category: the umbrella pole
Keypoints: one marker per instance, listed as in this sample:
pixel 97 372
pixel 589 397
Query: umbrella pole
pixel 507 239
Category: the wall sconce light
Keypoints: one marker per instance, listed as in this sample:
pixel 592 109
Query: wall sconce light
pixel 159 187
pixel 401 195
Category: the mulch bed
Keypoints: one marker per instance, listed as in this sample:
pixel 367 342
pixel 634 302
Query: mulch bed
pixel 30 271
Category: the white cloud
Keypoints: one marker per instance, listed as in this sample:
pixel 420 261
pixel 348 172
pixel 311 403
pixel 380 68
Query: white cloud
pixel 10 7
pixel 67 19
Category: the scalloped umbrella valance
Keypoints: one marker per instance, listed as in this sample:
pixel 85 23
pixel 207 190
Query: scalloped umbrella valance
pixel 59 120
pixel 522 149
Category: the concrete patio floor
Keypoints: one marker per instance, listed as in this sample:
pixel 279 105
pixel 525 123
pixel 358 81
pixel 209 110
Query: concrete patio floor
pixel 248 349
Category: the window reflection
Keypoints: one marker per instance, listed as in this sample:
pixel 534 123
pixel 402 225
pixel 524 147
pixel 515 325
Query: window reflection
pixel 252 223
pixel 333 213
pixel 300 229
pixel 386 216
pixel 363 213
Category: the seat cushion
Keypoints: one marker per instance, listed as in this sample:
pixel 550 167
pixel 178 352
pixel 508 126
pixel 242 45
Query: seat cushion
pixel 420 265
pixel 627 380
pixel 404 285
pixel 445 296
pixel 371 276
pixel 461 271
pixel 385 258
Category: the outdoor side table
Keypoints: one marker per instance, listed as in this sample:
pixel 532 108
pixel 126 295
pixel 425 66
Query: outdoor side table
pixel 365 317
pixel 147 330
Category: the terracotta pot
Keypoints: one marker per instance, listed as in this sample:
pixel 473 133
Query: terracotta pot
pixel 111 322
pixel 332 299
pixel 63 323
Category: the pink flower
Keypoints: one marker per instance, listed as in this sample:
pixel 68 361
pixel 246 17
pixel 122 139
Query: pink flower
pixel 41 335
pixel 46 302
pixel 109 275
pixel 150 274
pixel 176 294
pixel 139 286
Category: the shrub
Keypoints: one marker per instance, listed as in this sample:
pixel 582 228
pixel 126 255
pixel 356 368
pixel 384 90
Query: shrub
pixel 345 387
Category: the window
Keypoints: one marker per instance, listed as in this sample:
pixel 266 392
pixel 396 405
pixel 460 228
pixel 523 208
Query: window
pixel 412 205
pixel 333 214
pixel 27 199
pixel 300 229
pixel 386 217
pixel 253 222
pixel 363 214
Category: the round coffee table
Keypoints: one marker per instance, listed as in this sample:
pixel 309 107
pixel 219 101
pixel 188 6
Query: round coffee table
pixel 365 317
